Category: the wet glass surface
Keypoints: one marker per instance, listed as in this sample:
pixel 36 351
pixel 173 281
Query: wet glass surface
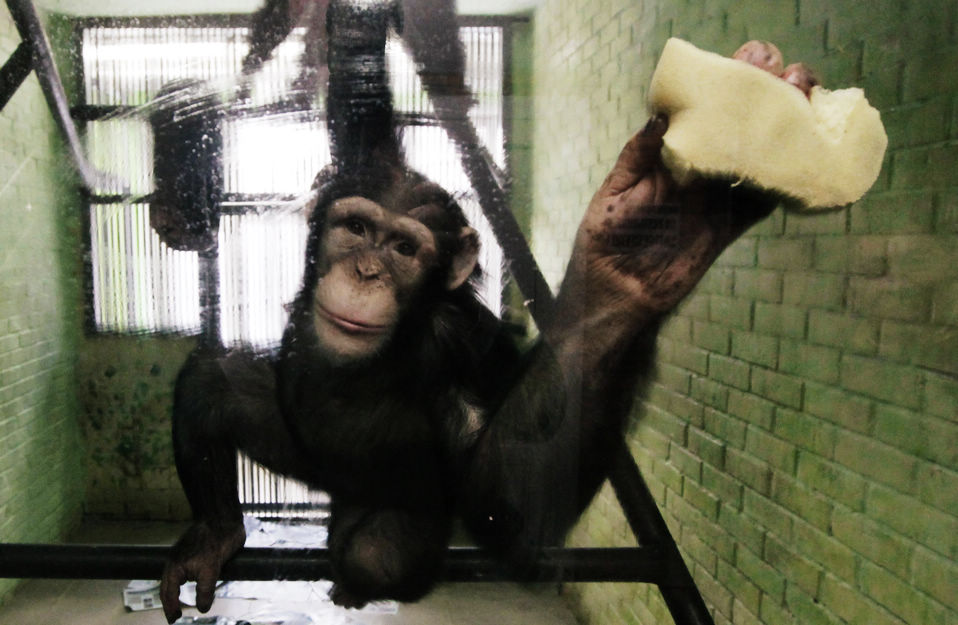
pixel 798 432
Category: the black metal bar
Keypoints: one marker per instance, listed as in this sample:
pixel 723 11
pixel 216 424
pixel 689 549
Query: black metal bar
pixel 14 72
pixel 242 20
pixel 28 23
pixel 288 107
pixel 678 588
pixel 230 203
pixel 210 296
pixel 451 100
pixel 462 564
pixel 483 175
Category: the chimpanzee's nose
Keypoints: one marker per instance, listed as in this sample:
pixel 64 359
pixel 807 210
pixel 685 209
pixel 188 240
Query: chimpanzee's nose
pixel 368 268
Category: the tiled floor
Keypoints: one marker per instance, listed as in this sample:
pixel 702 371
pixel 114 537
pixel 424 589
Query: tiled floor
pixel 100 602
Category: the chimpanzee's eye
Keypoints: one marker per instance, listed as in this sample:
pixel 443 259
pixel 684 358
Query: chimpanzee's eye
pixel 405 247
pixel 356 226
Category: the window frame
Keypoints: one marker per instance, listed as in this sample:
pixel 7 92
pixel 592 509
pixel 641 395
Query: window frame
pixel 84 113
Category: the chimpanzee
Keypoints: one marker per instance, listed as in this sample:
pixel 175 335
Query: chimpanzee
pixel 187 174
pixel 397 392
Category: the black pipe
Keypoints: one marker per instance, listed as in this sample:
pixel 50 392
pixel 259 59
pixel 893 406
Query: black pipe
pixel 210 296
pixel 678 589
pixel 28 23
pixel 439 55
pixel 482 173
pixel 22 561
pixel 14 72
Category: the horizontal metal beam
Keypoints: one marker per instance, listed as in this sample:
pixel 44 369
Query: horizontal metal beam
pixel 20 560
pixel 283 109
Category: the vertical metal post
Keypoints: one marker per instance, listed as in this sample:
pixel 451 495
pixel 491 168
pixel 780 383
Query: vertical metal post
pixel 681 595
pixel 210 297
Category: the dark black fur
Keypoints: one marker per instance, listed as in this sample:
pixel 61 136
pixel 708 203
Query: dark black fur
pixel 388 438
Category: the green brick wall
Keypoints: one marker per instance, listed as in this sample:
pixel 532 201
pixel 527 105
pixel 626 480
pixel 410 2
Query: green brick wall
pixel 41 453
pixel 802 434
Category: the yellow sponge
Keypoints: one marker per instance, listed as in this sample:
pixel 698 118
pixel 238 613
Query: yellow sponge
pixel 728 118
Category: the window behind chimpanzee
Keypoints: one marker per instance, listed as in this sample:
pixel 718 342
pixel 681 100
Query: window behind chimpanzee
pixel 270 156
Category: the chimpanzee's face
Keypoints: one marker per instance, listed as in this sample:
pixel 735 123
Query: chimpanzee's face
pixel 374 261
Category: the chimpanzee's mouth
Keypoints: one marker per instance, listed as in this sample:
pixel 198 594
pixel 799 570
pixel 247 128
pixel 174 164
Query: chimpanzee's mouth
pixel 350 326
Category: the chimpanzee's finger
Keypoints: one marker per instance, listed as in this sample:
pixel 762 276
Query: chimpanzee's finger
pixel 205 585
pixel 637 158
pixel 750 206
pixel 173 578
pixel 653 189
pixel 734 209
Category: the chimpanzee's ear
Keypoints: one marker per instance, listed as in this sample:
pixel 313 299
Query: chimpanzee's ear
pixel 465 261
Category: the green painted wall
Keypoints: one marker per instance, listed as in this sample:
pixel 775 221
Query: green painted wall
pixel 41 451
pixel 802 434
pixel 84 420
pixel 125 386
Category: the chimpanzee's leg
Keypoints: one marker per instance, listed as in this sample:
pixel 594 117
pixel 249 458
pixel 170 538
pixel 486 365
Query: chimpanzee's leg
pixel 385 553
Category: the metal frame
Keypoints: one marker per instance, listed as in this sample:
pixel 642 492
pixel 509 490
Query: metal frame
pixel 657 560
pixel 267 563
pixel 34 43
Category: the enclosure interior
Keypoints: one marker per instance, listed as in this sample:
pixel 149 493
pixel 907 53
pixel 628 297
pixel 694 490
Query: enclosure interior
pixel 801 435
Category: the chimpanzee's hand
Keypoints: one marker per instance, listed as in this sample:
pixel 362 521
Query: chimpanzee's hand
pixel 198 556
pixel 648 240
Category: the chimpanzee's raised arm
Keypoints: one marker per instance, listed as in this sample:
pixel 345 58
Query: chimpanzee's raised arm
pixel 272 23
pixel 642 246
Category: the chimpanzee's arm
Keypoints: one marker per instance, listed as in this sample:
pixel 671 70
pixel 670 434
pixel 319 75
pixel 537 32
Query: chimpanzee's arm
pixel 642 246
pixel 221 404
pixel 272 23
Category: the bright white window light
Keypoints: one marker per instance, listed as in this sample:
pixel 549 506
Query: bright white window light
pixel 276 154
